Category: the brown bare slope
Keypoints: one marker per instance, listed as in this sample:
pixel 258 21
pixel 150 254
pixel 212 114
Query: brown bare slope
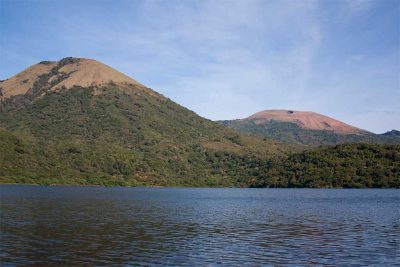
pixel 304 119
pixel 19 84
pixel 65 73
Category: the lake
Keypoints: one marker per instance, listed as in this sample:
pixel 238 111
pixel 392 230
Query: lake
pixel 68 225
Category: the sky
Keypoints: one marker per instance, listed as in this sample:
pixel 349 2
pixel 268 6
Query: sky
pixel 227 59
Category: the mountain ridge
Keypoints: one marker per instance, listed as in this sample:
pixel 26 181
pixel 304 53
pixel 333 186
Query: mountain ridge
pixel 392 133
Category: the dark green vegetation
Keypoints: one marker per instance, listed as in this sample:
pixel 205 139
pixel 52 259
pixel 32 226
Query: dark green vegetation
pixel 122 136
pixel 291 133
pixel 126 134
pixel 346 165
pixel 111 137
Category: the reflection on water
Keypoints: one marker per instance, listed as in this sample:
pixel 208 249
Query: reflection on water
pixel 160 226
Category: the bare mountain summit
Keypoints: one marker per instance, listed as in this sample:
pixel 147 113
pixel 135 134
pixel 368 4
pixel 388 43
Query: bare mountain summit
pixel 66 73
pixel 304 119
pixel 306 128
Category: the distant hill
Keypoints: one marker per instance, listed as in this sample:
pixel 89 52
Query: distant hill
pixel 78 121
pixel 305 120
pixel 392 133
pixel 305 128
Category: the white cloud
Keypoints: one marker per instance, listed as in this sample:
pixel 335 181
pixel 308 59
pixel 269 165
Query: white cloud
pixel 229 59
pixel 230 47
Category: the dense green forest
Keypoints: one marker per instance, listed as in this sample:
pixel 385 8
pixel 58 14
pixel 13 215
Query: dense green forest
pixel 118 138
pixel 110 136
pixel 127 134
pixel 291 133
pixel 346 165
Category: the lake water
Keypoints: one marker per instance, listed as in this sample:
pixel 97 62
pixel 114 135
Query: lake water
pixel 198 227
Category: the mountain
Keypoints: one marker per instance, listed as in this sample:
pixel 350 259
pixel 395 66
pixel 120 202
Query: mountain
pixel 305 128
pixel 78 121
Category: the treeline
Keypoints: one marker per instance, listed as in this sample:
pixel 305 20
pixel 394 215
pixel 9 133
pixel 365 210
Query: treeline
pixel 341 166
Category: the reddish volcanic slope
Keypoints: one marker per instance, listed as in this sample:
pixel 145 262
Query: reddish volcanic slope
pixel 306 120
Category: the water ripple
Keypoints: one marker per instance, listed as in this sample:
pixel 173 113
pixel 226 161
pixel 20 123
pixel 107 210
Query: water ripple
pixel 187 227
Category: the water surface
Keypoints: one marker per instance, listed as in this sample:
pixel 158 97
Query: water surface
pixel 195 227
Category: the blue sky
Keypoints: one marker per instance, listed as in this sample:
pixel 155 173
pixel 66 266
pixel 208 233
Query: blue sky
pixel 227 59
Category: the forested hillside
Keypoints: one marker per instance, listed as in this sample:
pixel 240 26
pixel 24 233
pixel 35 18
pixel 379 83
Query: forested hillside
pixel 347 165
pixel 118 134
pixel 78 121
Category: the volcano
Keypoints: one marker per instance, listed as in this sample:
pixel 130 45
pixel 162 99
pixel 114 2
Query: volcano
pixel 79 121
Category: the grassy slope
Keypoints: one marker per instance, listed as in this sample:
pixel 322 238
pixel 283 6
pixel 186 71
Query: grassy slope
pixel 291 133
pixel 124 137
